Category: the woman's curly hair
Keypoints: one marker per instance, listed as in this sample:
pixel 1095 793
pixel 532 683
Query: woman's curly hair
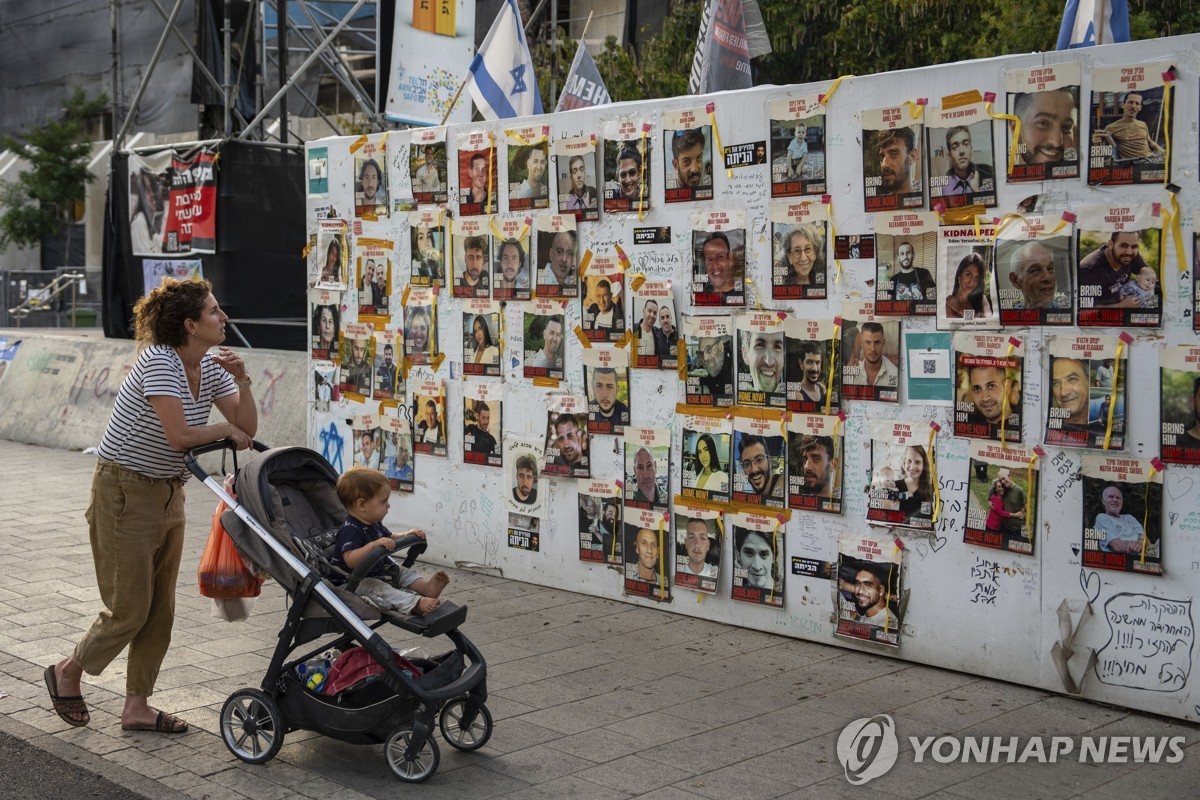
pixel 159 316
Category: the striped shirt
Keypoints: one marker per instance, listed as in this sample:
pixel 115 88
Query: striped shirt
pixel 134 437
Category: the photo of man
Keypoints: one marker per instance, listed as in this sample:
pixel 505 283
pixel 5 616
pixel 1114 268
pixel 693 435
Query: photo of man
pixel 357 355
pixel 472 252
pixel 1122 515
pixel 626 176
pixel 510 273
pixel 577 193
pixel 758 573
pixel 1180 404
pixel 529 185
pixel 891 162
pixel 603 301
pixel 814 464
pixel 370 189
pixel 647 569
pixel 761 469
pixel 1130 116
pixel 387 372
pixel 869 360
pixel 607 412
pixel 719 268
pixel 1048 145
pixel 655 335
pixel 960 154
pixel 559 273
pixel 524 490
pixel 709 345
pixel 697 551
pixel 1034 279
pixel 1078 415
pixel 543 345
pixel 567 444
pixel 988 373
pixel 1001 497
pixel 647 462
pixel 427 166
pixel 869 590
pixel 599 521
pixel 761 366
pixel 1119 274
pixel 689 176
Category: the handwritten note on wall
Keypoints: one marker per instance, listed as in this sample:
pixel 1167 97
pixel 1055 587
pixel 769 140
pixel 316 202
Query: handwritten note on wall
pixel 1150 643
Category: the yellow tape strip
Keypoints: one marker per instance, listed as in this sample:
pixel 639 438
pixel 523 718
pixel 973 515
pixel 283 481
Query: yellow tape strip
pixel 837 329
pixel 583 339
pixel 915 110
pixel 1112 397
pixel 712 118
pixel 1146 515
pixel 642 177
pixel 833 88
pixel 681 358
pixel 937 492
pixel 358 143
pixel 636 281
pixel 548 382
pixel 837 278
pixel 1016 134
pixel 1171 221
pixel 1167 128
pixel 583 262
pixel 1029 498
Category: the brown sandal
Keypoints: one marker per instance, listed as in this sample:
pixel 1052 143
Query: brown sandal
pixel 163 723
pixel 65 706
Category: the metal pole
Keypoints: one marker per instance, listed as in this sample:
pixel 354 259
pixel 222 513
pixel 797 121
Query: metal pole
pixel 553 49
pixel 227 87
pixel 116 67
pixel 334 61
pixel 281 26
pixel 307 63
pixel 137 97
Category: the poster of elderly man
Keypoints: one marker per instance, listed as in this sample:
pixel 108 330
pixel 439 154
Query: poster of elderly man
pixel 1034 276
pixel 1122 514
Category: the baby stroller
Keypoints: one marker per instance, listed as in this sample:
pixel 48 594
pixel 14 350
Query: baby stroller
pixel 284 519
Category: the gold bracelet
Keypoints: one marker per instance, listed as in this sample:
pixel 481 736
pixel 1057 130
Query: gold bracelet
pixel 243 383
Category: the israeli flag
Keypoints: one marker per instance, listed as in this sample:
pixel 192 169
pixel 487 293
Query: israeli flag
pixel 503 84
pixel 1091 22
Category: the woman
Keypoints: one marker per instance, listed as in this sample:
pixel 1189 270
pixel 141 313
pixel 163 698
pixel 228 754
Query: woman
pixel 968 294
pixel 325 329
pixel 136 516
pixel 709 476
pixel 996 507
pixel 429 429
pixel 426 257
pixel 803 256
pixel 332 271
pixel 915 487
pixel 416 332
pixel 486 351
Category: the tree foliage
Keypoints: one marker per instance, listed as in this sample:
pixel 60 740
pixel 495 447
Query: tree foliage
pixel 42 199
pixel 815 41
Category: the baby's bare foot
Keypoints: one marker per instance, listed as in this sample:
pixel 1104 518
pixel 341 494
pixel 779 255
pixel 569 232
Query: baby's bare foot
pixel 437 583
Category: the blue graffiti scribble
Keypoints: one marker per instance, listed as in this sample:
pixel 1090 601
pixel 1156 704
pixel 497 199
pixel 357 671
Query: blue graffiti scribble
pixel 331 446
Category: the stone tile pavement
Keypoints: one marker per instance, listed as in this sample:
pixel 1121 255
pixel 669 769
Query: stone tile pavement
pixel 593 699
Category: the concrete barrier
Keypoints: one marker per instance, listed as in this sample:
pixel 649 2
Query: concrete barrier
pixel 59 389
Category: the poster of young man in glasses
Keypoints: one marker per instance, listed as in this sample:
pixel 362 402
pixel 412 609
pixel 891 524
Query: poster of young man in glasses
pixel 869 590
pixel 893 179
pixel 814 461
pixel 906 263
pixel 600 521
pixel 813 371
pixel 797 146
pixel 1046 101
pixel 687 156
pixel 1002 497
pixel 1122 513
pixel 1129 131
pixel 989 370
pixel 799 246
pixel 648 566
pixel 627 146
pixel 760 458
pixel 709 373
pixel 1035 273
pixel 1179 368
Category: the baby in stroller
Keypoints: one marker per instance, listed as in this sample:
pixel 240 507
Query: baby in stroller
pixel 365 493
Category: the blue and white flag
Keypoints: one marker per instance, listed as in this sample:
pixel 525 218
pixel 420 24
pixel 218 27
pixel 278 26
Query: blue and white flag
pixel 503 84
pixel 1091 22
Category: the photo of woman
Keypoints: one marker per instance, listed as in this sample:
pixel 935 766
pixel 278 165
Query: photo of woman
pixel 707 466
pixel 968 297
pixel 801 262
pixel 325 328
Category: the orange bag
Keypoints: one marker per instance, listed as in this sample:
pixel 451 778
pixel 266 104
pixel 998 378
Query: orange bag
pixel 223 573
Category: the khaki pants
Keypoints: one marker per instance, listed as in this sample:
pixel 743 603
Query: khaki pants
pixel 135 524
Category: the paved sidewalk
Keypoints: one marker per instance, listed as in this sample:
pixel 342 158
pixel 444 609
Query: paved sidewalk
pixel 592 698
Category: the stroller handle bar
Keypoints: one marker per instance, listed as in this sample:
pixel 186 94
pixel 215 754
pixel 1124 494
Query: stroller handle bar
pixel 189 458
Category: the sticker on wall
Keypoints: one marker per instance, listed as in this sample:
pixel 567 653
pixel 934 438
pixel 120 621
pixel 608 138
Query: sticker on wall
pixel 472 257
pixel 427 165
pixel 759 467
pixel 429 410
pixel 627 169
pixel 524 491
pixel 543 337
pixel 965 281
pixel 481 337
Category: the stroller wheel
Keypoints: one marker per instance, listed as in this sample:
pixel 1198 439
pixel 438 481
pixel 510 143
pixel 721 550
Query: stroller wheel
pixel 462 733
pixel 252 726
pixel 418 768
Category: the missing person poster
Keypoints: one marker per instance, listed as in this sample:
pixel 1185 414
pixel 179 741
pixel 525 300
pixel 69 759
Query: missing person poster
pixel 1002 497
pixel 524 494
pixel 358 354
pixel 687 155
pixel 388 376
pixel 606 380
pixel 1130 124
pixel 577 194
pixel 427 247
pixel 797 146
pixel 368 438
pixel 557 251
pixel 371 183
pixel 699 540
pixel 602 305
pixel 962 168
pixel 512 270
pixel 709 373
pixel 892 172
pixel 1120 265
pixel 427 165
pixel 483 422
pixel 869 589
pixel 528 167
pixel 543 337
pixel 1122 514
pixel 719 258
pixel 758 548
pixel 759 466
pixel 799 248
pixel 901 492
pixel 568 445
pixel 628 142
pixel 647 542
pixel 471 252
pixel 966 285
pixel 326 323
pixel 327 262
pixel 814 463
pixel 762 359
pixel 1179 368
pixel 647 468
pixel 477 173
pixel 374 279
pixel 989 376
pixel 707 463
pixel 398 444
pixel 1034 271
pixel 420 326
pixel 429 410
pixel 600 521
pixel 870 354
pixel 1046 101
pixel 173 202
pixel 905 264
pixel 1087 392
pixel 813 374
pixel 481 337
pixel 655 336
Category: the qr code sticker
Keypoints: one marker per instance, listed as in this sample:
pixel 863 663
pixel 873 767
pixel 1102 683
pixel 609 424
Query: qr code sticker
pixel 929 366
